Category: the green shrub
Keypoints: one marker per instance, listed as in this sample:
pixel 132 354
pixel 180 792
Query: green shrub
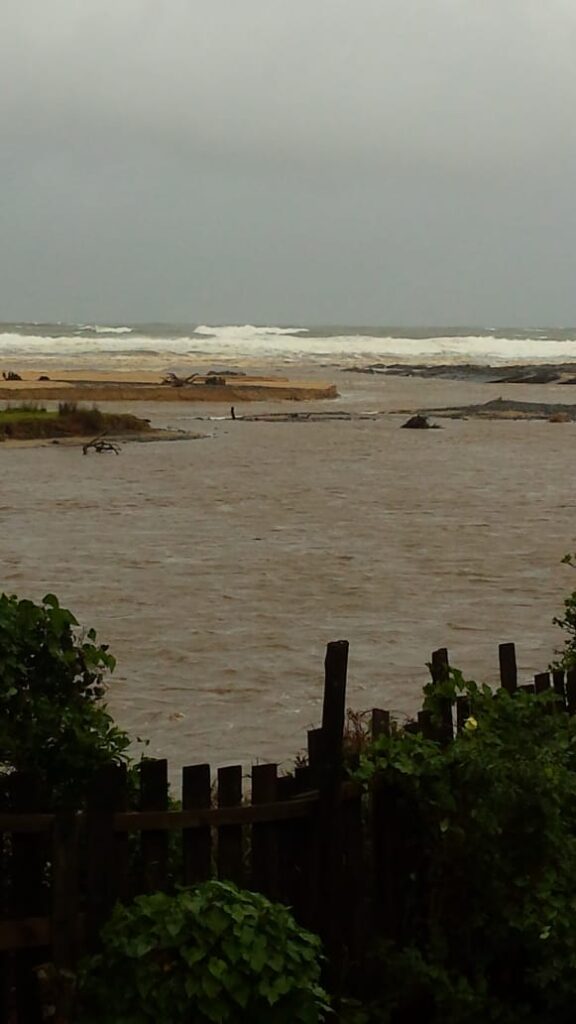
pixel 53 719
pixel 567 622
pixel 489 856
pixel 212 954
pixel 67 408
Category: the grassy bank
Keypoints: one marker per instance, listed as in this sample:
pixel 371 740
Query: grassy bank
pixel 28 422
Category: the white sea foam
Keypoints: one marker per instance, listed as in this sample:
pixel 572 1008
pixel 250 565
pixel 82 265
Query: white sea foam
pixel 287 343
pixel 98 329
pixel 248 332
pixel 269 345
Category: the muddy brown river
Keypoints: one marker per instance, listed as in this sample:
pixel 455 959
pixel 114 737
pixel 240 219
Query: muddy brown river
pixel 218 569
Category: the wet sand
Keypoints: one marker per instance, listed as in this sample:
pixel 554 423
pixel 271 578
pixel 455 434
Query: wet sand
pixel 218 571
pixel 142 386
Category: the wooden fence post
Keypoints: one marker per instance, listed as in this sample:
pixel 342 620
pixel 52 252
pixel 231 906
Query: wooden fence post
pixel 558 684
pixel 265 845
pixel 154 844
pixel 65 912
pixel 316 755
pixel 330 843
pixel 571 691
pixel 463 711
pixel 508 669
pixel 105 851
pixel 28 896
pixel 542 682
pixel 230 839
pixel 196 842
pixel 297 855
pixel 440 668
pixel 380 723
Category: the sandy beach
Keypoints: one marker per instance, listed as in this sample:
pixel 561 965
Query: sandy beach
pixel 143 386
pixel 217 571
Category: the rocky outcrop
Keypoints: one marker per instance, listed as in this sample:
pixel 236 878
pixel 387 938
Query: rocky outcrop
pixel 503 409
pixel 419 422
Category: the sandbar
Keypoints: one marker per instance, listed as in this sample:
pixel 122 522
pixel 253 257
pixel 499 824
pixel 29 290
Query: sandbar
pixel 142 386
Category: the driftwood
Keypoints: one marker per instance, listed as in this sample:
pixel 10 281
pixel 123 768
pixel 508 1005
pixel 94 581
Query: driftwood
pixel 11 375
pixel 174 381
pixel 99 445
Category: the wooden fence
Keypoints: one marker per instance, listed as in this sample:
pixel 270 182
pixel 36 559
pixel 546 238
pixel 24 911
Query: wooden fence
pixel 309 839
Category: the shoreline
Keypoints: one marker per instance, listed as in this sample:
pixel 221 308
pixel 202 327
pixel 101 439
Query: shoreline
pixel 509 373
pixel 147 437
pixel 148 387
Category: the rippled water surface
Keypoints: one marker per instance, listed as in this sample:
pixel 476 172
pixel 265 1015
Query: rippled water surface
pixel 218 569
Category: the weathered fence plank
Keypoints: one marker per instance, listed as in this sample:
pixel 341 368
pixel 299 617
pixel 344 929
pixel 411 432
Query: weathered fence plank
pixel 527 688
pixel 154 844
pixel 508 668
pixel 316 754
pixel 65 915
pixel 571 691
pixel 196 842
pixel 28 894
pixel 380 723
pixel 463 712
pixel 440 668
pixel 65 891
pixel 230 837
pixel 329 846
pixel 265 837
pixel 542 682
pixel 558 684
pixel 105 850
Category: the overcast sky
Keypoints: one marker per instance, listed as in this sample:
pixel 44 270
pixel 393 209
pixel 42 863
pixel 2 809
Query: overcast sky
pixel 305 161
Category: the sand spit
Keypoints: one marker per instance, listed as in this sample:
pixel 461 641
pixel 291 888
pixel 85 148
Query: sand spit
pixel 497 409
pixel 110 387
pixel 532 373
pixel 504 409
pixel 150 437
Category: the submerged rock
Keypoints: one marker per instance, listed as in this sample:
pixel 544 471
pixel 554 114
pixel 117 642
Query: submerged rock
pixel 419 423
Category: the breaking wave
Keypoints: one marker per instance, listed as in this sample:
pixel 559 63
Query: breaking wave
pixel 97 345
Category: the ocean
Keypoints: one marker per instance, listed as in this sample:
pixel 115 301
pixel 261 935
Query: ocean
pixel 101 346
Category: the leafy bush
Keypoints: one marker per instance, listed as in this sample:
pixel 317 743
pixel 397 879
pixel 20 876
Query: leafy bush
pixel 489 855
pixel 53 719
pixel 212 954
pixel 23 407
pixel 567 622
pixel 67 408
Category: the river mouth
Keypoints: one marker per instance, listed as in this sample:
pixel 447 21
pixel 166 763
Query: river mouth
pixel 218 572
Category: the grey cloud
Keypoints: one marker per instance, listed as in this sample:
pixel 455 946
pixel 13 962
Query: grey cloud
pixel 353 160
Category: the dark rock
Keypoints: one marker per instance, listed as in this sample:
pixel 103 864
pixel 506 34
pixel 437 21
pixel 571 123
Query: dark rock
pixel 418 423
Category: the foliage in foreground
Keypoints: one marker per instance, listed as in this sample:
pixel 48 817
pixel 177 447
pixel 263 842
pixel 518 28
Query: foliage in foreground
pixel 488 827
pixel 53 719
pixel 213 954
pixel 567 622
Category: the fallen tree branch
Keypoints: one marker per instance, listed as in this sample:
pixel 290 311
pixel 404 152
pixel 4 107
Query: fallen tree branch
pixel 99 444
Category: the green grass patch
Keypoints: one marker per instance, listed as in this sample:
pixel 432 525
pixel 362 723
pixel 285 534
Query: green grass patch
pixel 25 412
pixel 30 422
